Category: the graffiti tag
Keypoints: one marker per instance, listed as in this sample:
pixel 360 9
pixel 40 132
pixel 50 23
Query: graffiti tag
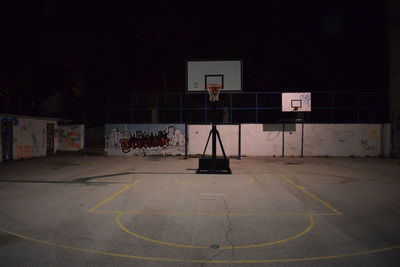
pixel 306 99
pixel 367 146
pixel 145 141
pixel 25 151
pixel 70 138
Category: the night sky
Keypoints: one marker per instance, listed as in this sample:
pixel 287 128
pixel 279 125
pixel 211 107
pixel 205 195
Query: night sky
pixel 114 47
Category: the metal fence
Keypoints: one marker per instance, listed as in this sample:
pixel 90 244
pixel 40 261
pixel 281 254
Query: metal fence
pixel 245 107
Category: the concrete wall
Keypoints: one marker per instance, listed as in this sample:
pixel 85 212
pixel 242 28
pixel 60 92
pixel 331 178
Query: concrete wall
pixel 144 139
pixel 30 137
pixel 334 140
pixel 259 139
pixel 339 140
pixel 71 137
pixel 198 134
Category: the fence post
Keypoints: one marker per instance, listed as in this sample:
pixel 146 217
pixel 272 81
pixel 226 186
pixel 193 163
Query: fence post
pixel 107 115
pixel 230 108
pixel 205 109
pixel 240 141
pixel 332 107
pixel 283 138
pixel 302 138
pixel 181 108
pixel 358 107
pixel 133 108
pixel 186 141
pixel 256 107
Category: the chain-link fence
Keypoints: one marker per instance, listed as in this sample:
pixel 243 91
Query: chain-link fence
pixel 244 107
pixel 327 107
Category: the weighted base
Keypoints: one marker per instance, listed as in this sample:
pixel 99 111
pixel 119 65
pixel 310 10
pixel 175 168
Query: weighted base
pixel 213 166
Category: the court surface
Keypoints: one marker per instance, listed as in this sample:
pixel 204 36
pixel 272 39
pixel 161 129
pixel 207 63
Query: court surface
pixel 155 211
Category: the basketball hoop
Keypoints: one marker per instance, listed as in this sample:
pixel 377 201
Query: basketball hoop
pixel 213 92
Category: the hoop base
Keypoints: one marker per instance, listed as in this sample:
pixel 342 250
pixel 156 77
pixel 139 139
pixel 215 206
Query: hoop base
pixel 213 166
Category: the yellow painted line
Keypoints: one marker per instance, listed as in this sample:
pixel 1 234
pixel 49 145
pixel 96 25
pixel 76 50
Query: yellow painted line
pixel 305 231
pixel 135 257
pixel 48 243
pixel 103 202
pixel 179 181
pixel 177 213
pixel 346 255
pixel 304 190
pixel 118 211
pixel 123 228
pixel 228 214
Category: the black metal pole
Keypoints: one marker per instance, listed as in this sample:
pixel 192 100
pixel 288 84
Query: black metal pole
pixel 214 132
pixel 283 138
pixel 302 139
pixel 214 165
pixel 186 141
pixel 222 146
pixel 240 141
pixel 208 139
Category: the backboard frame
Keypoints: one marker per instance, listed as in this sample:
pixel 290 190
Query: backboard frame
pixel 209 81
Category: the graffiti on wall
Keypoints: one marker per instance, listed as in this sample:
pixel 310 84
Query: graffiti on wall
pixel 24 152
pixel 145 139
pixel 71 137
pixel 370 144
pixel 29 138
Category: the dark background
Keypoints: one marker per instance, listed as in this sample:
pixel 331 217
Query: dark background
pixel 52 50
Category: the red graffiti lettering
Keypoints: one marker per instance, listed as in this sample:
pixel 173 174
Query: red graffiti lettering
pixel 144 142
pixel 125 145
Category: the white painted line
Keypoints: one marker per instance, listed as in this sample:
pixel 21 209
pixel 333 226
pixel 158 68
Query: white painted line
pixel 212 194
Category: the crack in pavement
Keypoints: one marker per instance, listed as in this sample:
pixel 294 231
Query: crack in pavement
pixel 230 229
pixel 228 232
pixel 210 259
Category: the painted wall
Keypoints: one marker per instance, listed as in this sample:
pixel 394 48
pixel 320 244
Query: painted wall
pixel 334 140
pixel 198 134
pixel 144 139
pixel 343 140
pixel 262 139
pixel 71 137
pixel 30 137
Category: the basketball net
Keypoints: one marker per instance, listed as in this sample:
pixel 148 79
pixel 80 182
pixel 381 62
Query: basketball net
pixel 213 92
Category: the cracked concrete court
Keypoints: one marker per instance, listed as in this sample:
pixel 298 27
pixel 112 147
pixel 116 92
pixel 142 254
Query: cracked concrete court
pixel 154 211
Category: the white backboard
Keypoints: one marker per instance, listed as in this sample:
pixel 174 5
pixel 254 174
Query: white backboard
pixel 200 72
pixel 296 102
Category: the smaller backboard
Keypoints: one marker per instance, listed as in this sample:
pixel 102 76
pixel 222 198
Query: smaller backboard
pixel 296 102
